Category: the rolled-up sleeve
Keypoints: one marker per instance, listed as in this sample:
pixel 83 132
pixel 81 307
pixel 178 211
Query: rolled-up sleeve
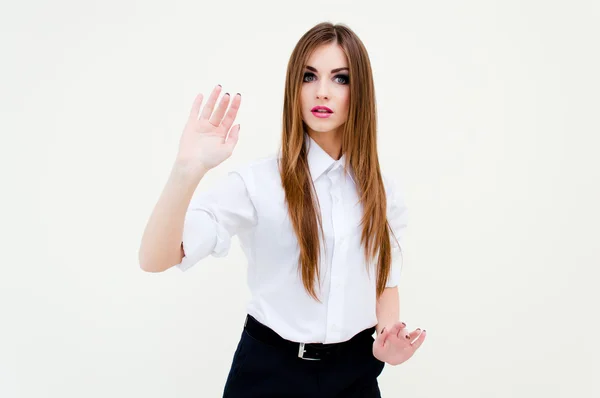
pixel 214 217
pixel 397 218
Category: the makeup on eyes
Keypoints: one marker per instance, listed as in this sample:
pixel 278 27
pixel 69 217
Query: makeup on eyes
pixel 341 75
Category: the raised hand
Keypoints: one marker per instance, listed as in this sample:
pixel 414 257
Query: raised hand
pixel 396 345
pixel 208 138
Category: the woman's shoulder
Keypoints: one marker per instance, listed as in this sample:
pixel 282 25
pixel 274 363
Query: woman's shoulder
pixel 259 166
pixel 259 172
pixel 392 183
pixel 389 179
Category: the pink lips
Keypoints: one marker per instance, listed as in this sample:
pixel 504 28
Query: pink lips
pixel 321 111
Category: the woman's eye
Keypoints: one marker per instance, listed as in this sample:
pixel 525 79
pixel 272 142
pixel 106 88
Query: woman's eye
pixel 308 76
pixel 344 79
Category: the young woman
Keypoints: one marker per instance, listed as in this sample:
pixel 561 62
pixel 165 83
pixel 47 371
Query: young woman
pixel 321 228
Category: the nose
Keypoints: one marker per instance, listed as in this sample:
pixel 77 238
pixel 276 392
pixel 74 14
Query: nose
pixel 322 90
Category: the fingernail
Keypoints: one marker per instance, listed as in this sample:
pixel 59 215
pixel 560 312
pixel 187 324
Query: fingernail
pixel 219 85
pixel 403 324
pixel 239 94
pixel 382 330
pixel 226 93
pixel 418 328
pixel 407 336
pixel 424 330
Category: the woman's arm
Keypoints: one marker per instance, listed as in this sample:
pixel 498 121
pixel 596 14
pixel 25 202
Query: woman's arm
pixel 161 242
pixel 208 139
pixel 396 344
pixel 388 308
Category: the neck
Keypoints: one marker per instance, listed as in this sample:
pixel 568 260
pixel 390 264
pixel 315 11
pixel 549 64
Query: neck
pixel 330 141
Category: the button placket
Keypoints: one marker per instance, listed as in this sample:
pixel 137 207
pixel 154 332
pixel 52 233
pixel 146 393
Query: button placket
pixel 335 302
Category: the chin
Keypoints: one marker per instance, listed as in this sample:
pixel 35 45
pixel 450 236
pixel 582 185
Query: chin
pixel 323 127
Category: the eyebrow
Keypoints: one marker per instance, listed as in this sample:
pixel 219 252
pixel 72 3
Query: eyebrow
pixel 332 71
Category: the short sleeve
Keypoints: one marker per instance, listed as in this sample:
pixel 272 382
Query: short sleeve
pixel 214 217
pixel 397 218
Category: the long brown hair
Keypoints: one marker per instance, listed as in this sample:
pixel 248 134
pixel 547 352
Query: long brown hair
pixel 359 144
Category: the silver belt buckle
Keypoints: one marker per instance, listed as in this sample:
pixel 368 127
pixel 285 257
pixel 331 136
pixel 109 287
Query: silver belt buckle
pixel 301 352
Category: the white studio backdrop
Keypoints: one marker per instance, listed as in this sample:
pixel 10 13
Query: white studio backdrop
pixel 488 114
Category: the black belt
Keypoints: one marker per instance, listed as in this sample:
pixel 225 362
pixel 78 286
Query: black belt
pixel 309 351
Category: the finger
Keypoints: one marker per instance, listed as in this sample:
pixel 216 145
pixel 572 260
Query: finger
pixel 380 339
pixel 195 111
pixel 210 104
pixel 232 112
pixel 403 334
pixel 217 115
pixel 396 328
pixel 414 334
pixel 232 139
pixel 417 343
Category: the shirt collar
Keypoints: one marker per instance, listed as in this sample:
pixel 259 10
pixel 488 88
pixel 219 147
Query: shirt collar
pixel 319 161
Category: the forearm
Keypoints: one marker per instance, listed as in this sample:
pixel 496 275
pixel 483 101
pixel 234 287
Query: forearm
pixel 160 247
pixel 388 308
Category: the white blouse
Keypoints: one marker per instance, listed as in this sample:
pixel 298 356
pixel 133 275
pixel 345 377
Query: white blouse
pixel 250 203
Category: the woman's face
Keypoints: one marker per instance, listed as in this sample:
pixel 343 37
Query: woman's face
pixel 325 86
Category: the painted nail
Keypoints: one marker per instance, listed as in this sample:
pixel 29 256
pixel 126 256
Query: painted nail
pixel 382 330
pixel 407 336
pixel 239 94
pixel 418 328
pixel 226 93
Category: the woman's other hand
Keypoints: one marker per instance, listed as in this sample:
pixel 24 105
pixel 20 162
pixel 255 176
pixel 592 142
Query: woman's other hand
pixel 395 345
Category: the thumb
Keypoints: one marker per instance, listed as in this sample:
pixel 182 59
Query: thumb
pixel 232 139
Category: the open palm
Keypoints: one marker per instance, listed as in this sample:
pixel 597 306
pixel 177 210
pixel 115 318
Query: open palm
pixel 208 137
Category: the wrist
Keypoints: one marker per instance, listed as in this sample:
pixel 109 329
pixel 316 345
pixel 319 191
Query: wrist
pixel 186 178
pixel 189 171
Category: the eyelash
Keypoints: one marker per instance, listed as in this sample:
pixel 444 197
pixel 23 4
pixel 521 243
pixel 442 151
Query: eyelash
pixel 345 77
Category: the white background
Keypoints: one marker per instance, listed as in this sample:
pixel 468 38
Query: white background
pixel 488 113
